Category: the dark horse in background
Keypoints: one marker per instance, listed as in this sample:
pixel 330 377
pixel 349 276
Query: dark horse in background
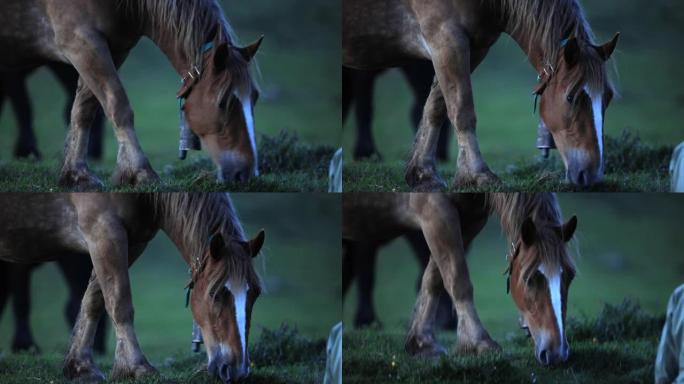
pixel 357 89
pixel 359 263
pixel 455 35
pixel 95 37
pixel 15 284
pixel 13 86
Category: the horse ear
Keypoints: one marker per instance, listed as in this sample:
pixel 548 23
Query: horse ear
pixel 606 50
pixel 568 229
pixel 528 232
pixel 249 51
pixel 221 56
pixel 571 52
pixel 254 245
pixel 216 244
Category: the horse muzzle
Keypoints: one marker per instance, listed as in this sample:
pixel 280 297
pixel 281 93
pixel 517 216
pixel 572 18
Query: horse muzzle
pixel 234 168
pixel 228 372
pixel 581 170
pixel 548 356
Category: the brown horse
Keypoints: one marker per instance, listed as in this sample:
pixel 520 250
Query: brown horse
pixel 115 229
pixel 96 37
pixel 539 268
pixel 456 35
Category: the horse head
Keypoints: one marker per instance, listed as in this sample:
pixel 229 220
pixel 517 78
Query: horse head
pixel 574 94
pixel 540 274
pixel 224 290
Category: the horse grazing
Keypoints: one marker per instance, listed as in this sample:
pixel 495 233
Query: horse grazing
pixel 455 35
pixel 540 269
pixel 96 37
pixel 114 229
pixel 13 85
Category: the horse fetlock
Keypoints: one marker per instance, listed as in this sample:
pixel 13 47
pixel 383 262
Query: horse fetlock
pixel 121 371
pixel 478 175
pixel 140 175
pixel 424 345
pixel 79 178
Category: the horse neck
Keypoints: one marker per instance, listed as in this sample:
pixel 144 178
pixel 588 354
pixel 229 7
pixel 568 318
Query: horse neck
pixel 167 43
pixel 513 208
pixel 533 49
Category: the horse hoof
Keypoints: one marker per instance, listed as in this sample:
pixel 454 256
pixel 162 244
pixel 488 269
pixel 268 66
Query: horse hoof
pixel 80 180
pixel 424 180
pixel 143 176
pixel 121 372
pixel 486 178
pixel 426 348
pixel 480 347
pixel 82 372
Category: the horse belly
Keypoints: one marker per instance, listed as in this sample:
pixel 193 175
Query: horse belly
pixel 375 217
pixel 378 34
pixel 38 227
pixel 26 35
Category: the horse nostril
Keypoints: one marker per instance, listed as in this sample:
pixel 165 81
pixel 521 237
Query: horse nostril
pixel 544 357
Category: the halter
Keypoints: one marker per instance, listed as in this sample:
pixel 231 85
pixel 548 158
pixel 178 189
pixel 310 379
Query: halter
pixel 188 139
pixel 510 256
pixel 544 76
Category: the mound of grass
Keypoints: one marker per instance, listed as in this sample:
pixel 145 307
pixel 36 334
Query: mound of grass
pixel 286 164
pixel 631 165
pixel 616 347
pixel 280 356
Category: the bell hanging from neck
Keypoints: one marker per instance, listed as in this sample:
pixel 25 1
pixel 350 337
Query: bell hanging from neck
pixel 544 140
pixel 188 139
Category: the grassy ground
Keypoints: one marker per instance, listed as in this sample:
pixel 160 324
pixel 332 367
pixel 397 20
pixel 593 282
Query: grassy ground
pixel 649 106
pixel 299 77
pixel 617 347
pixel 629 247
pixel 300 266
pixel 631 166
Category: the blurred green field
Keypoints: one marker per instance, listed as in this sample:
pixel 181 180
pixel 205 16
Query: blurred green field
pixel 629 247
pixel 649 80
pixel 299 77
pixel 300 266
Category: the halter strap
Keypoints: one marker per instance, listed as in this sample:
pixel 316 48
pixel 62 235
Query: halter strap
pixel 545 75
pixel 515 248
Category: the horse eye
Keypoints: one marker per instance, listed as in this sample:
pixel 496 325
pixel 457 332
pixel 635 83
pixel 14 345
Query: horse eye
pixel 570 98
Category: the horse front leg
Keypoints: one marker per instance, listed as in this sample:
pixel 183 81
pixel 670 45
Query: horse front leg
pixel 451 56
pixel 441 226
pixel 90 54
pixel 108 246
pixel 421 171
pixel 421 340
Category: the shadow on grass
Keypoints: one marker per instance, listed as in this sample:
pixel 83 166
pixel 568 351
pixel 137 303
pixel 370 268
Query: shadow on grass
pixel 286 164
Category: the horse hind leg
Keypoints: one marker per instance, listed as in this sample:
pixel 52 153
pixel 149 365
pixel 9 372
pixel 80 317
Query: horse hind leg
pixel 421 340
pixel 421 171
pixel 75 172
pixel 79 363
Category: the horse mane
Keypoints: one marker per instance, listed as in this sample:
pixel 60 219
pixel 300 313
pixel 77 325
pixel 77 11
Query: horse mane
pixel 192 23
pixel 514 208
pixel 550 22
pixel 191 218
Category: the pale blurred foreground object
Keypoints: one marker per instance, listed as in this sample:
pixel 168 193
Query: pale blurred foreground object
pixel 335 172
pixel 669 365
pixel 333 367
pixel 677 169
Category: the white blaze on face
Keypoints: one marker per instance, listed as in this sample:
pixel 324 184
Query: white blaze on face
pixel 554 280
pixel 248 113
pixel 597 110
pixel 239 293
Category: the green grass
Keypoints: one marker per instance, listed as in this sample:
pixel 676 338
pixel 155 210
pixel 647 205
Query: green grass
pixel 631 166
pixel 300 265
pixel 286 163
pixel 299 77
pixel 304 363
pixel 623 351
pixel 649 106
